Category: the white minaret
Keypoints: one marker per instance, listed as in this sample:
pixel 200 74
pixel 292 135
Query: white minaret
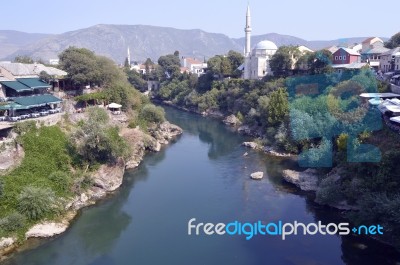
pixel 129 57
pixel 247 30
pixel 247 47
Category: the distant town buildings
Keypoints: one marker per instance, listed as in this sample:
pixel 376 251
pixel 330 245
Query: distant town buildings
pixel 192 65
pixel 372 48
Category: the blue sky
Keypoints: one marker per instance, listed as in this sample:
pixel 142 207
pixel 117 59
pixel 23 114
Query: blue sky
pixel 308 19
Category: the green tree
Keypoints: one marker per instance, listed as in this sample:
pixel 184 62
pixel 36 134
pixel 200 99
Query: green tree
pixel 393 42
pixel 278 106
pixel 45 77
pixel 226 67
pixel 126 63
pixel 236 59
pixel 214 65
pixel 303 61
pixel 84 67
pixel 81 66
pixel 108 72
pixel 320 62
pixel 151 113
pixel 283 61
pixel 23 59
pixel 170 65
pixel 149 66
pixel 136 80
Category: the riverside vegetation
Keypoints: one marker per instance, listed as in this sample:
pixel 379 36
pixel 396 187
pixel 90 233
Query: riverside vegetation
pixel 60 160
pixel 274 111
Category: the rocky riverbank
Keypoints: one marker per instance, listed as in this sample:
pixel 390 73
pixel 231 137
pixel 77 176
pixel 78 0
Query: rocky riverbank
pixel 105 180
pixel 266 149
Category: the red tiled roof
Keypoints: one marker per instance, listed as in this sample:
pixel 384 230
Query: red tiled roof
pixel 184 69
pixel 192 61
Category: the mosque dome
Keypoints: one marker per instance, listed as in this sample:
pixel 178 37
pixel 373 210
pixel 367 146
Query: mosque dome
pixel 266 45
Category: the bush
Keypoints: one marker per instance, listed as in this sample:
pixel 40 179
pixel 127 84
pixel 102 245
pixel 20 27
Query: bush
pixel 329 192
pixel 1 187
pixel 97 142
pixel 317 156
pixel 36 203
pixel 97 115
pixel 82 181
pixel 23 127
pixel 341 141
pixel 151 113
pixel 240 116
pixel 61 180
pixel 12 222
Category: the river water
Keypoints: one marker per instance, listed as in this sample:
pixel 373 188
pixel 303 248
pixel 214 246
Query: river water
pixel 202 175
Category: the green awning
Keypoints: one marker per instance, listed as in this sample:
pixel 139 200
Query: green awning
pixel 37 101
pixel 33 82
pixel 17 86
pixel 12 105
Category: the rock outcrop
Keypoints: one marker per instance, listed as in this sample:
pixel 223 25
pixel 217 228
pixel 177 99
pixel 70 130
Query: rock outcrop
pixel 306 180
pixel 7 244
pixel 257 175
pixel 213 113
pixel 270 151
pixel 11 156
pixel 46 229
pixel 244 129
pixel 251 145
pixel 169 131
pixel 231 120
pixel 109 177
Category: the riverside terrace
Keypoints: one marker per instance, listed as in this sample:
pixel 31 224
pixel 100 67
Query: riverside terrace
pixel 26 98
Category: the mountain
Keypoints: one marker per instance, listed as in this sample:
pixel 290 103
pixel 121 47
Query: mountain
pixel 11 41
pixel 276 38
pixel 144 42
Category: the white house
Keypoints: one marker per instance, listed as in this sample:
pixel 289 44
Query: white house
pixel 193 65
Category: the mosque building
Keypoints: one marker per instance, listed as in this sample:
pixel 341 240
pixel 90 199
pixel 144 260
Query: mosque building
pixel 256 61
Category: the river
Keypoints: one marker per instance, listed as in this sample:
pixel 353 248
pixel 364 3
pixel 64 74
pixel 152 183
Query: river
pixel 204 175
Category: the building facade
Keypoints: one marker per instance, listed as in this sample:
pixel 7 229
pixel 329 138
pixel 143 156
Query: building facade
pixel 193 65
pixel 345 56
pixel 390 60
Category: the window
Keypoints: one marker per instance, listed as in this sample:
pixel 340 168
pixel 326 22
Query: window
pixel 340 58
pixel 344 57
pixel 336 58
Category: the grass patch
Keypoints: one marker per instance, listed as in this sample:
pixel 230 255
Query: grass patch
pixel 46 167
